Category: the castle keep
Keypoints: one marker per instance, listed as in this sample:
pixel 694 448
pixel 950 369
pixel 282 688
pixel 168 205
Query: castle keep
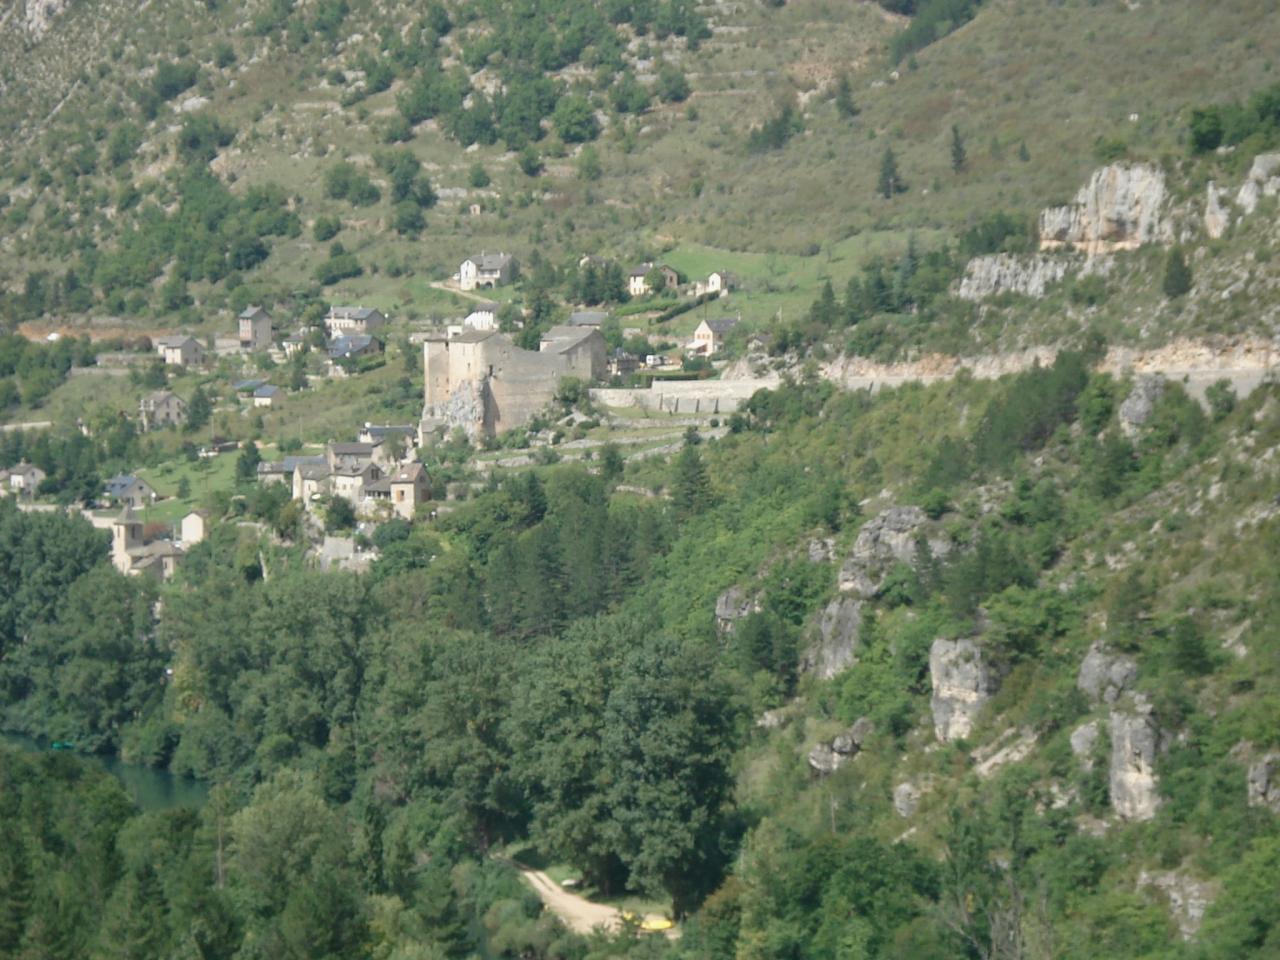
pixel 481 382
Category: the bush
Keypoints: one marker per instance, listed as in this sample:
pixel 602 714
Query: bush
pixel 326 228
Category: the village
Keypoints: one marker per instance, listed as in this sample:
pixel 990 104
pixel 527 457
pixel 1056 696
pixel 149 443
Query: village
pixel 478 383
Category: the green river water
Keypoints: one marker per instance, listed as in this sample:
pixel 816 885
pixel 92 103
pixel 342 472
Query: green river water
pixel 151 789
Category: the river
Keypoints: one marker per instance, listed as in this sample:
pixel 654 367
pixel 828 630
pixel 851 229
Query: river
pixel 151 789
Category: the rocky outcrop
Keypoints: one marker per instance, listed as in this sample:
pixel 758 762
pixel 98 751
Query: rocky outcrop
pixel 889 538
pixel 961 683
pixel 40 15
pixel 733 605
pixel 1007 273
pixel 1264 782
pixel 1216 218
pixel 1135 741
pixel 836 645
pixel 1187 897
pixel 1104 676
pixel 1140 404
pixel 826 758
pixel 1120 208
pixel 1263 181
pixel 906 798
pixel 463 409
pixel 1013 746
pixel 1083 739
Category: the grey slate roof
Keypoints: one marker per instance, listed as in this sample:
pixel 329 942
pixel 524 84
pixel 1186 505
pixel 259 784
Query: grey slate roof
pixel 587 318
pixel 349 346
pixel 491 261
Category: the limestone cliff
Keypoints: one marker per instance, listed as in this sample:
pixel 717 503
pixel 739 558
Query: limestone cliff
pixel 962 684
pixel 1007 273
pixel 1120 208
pixel 1263 181
pixel 39 15
pixel 1135 791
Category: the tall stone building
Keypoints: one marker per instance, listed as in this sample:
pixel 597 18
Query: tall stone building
pixel 483 383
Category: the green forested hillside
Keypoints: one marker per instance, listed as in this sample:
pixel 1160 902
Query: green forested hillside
pixel 544 668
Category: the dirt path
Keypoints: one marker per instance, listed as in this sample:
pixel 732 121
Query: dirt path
pixel 578 913
pixel 448 287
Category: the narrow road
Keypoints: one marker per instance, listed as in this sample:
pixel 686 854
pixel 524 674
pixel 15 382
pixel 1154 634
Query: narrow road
pixel 578 913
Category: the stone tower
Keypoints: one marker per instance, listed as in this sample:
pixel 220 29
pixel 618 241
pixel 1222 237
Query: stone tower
pixel 126 536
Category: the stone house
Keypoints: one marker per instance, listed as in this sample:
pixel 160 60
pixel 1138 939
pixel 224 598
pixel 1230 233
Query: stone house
pixel 133 555
pixel 131 491
pixel 409 487
pixel 267 395
pixel 255 330
pixel 281 471
pixel 353 347
pixel 163 408
pixel 719 282
pixel 486 270
pixel 340 321
pixel 193 527
pixel 709 336
pixel 638 279
pixel 346 454
pixel 310 481
pixel 349 482
pixel 24 479
pixel 588 318
pixel 180 351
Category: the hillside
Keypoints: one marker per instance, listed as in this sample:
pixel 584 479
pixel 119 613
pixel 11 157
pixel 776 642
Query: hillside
pixel 275 98
pixel 944 626
pixel 973 669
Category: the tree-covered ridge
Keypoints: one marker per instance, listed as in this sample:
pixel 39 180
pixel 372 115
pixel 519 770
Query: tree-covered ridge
pixel 543 665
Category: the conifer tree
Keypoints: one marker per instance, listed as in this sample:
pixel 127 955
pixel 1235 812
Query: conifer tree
pixel 1177 275
pixel 890 182
pixel 958 156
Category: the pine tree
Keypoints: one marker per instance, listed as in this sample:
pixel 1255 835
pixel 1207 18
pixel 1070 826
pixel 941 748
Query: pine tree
pixel 198 410
pixel 1177 275
pixel 844 98
pixel 890 183
pixel 958 156
pixel 691 490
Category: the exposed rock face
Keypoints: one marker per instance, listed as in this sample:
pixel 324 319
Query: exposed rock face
pixel 827 758
pixel 885 540
pixel 1216 218
pixel 1188 898
pixel 961 685
pixel 1007 273
pixel 1134 742
pixel 464 409
pixel 1140 404
pixel 1263 181
pixel 906 798
pixel 820 551
pixel 1264 782
pixel 734 605
pixel 1120 208
pixel 1083 740
pixel 1011 747
pixel 1104 676
pixel 40 15
pixel 837 644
